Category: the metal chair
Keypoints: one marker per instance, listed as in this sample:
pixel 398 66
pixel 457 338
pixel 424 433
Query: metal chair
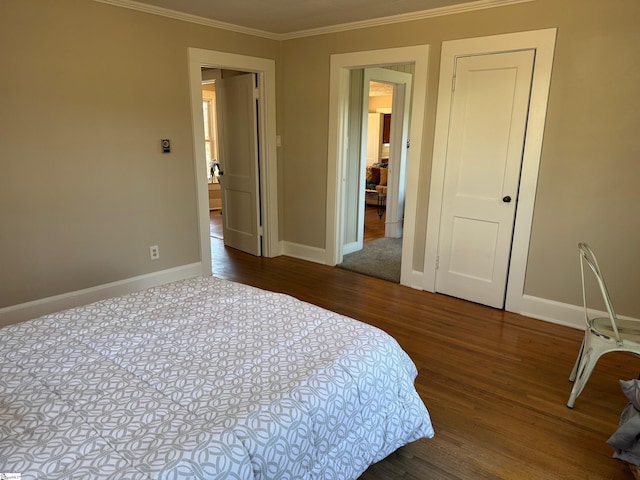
pixel 603 334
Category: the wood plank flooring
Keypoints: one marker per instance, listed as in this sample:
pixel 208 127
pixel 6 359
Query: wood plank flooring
pixel 373 223
pixel 215 224
pixel 495 383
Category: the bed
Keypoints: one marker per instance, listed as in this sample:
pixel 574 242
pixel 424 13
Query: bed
pixel 203 378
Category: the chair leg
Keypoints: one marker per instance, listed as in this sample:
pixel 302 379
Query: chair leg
pixel 592 350
pixel 582 375
pixel 572 377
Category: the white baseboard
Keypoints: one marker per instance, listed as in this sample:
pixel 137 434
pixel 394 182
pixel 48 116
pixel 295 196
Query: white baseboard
pixel 560 313
pixel 552 311
pixel 534 307
pixel 304 252
pixel 414 280
pixel 37 308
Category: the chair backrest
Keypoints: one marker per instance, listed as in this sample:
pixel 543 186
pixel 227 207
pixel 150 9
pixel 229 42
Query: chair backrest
pixel 589 258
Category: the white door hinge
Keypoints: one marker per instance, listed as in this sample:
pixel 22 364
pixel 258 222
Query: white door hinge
pixel 437 262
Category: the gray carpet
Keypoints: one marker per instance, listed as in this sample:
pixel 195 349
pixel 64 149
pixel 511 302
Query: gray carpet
pixel 379 258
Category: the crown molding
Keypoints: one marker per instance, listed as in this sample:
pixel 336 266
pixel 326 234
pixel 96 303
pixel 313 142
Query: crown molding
pixel 375 22
pixel 404 17
pixel 186 17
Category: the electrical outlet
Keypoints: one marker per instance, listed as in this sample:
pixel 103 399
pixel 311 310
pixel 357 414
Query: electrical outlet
pixel 154 252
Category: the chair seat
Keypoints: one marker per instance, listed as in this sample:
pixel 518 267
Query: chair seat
pixel 629 330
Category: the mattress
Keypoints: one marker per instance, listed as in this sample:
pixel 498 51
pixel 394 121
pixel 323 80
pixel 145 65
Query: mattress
pixel 203 378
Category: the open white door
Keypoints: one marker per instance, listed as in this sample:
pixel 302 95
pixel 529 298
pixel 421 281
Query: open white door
pixel 483 161
pixel 398 147
pixel 238 147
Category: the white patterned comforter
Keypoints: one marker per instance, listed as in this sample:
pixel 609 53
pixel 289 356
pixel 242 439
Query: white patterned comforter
pixel 203 378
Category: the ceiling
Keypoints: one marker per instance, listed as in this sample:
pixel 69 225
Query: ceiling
pixel 282 17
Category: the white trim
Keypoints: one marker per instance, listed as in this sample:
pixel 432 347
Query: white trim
pixel 414 280
pixel 56 303
pixel 338 127
pixel 404 17
pixel 351 247
pixel 304 252
pixel 543 41
pixel 560 313
pixel 374 22
pixel 265 68
pixel 338 109
pixel 553 312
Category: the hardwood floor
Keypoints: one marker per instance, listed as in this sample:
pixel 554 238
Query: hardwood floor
pixel 495 383
pixel 373 223
pixel 215 224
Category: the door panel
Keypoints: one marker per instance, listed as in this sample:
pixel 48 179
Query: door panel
pixel 484 154
pixel 473 260
pixel 238 146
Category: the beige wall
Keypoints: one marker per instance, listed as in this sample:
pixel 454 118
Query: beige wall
pixel 85 190
pixel 589 183
pixel 84 187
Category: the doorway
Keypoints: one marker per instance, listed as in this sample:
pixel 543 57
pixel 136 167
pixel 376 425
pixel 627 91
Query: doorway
pixel 343 67
pixel 231 146
pixel 379 116
pixel 264 70
pixel 540 45
pixel 386 144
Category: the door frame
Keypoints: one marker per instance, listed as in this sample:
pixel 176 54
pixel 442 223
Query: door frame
pixel 268 167
pixel 543 42
pixel 341 64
